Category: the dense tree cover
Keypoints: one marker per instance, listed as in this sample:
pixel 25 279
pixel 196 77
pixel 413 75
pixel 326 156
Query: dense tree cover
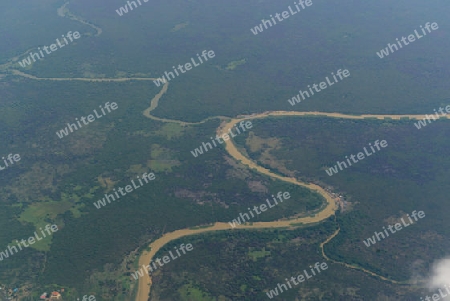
pixel 244 265
pixel 195 191
pixel 142 42
pixel 399 179
pixel 409 174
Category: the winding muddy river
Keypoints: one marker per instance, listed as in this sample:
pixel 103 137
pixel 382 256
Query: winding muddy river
pixel 145 282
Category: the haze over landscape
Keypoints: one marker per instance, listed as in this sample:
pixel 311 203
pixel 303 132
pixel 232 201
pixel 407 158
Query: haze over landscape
pixel 214 151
